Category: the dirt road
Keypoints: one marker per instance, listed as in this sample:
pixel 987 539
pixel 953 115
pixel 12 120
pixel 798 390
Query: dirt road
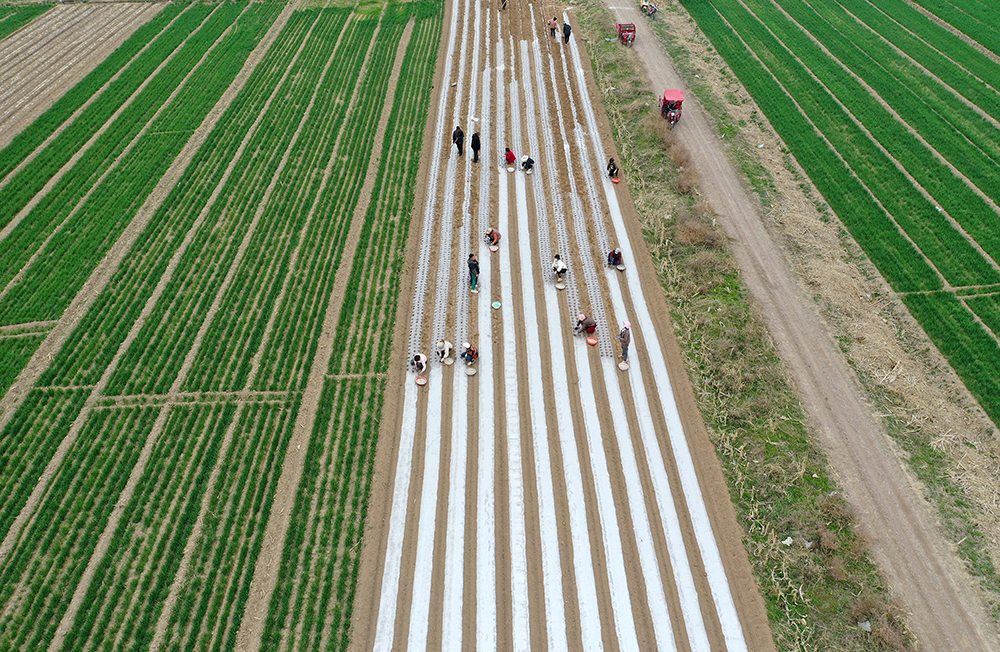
pixel 946 607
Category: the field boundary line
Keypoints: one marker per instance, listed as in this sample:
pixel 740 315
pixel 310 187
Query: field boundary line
pixel 193 398
pixel 265 577
pixel 71 163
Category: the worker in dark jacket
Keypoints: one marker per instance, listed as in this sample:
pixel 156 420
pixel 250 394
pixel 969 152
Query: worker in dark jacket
pixel 458 137
pixel 473 273
pixel 585 323
pixel 566 32
pixel 475 147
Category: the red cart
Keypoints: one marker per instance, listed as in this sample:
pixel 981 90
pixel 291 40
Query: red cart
pixel 626 33
pixel 670 106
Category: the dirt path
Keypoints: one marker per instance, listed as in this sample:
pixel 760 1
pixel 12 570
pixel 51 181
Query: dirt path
pixel 947 609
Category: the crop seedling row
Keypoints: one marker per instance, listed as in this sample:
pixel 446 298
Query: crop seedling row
pixel 218 582
pixel 153 360
pixel 52 553
pixel 71 255
pixel 225 358
pixel 155 524
pixel 951 324
pixel 58 204
pixel 123 58
pixel 31 179
pixel 92 345
pixel 931 232
pixel 313 601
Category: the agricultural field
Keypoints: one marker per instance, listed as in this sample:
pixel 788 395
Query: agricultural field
pixel 893 111
pixel 224 236
pixel 202 244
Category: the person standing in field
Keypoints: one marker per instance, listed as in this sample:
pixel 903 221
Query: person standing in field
pixel 473 273
pixel 567 30
pixel 475 147
pixel 458 137
pixel 625 337
pixel 553 26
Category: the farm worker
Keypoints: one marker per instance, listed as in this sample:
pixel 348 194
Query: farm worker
pixel 473 272
pixel 625 337
pixel 444 349
pixel 615 257
pixel 458 137
pixel 585 323
pixel 509 156
pixel 553 26
pixel 469 353
pixel 559 267
pixel 493 237
pixel 475 147
pixel 419 363
pixel 566 32
pixel 612 168
pixel 527 163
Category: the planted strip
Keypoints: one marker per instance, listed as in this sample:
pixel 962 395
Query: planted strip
pixel 53 280
pixel 46 124
pixel 45 566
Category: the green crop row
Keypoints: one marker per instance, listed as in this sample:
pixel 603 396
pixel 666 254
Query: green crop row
pixel 152 362
pixel 17 17
pixel 314 598
pixel 896 258
pixel 987 308
pixel 338 201
pixel 943 53
pixel 956 131
pixel 95 115
pixel 211 602
pixel 88 210
pixel 50 556
pixel 974 19
pixel 155 525
pixel 27 183
pixel 29 440
pixel 15 352
pixel 224 360
pixel 944 246
pixel 68 259
pixel 368 312
pixel 970 350
pixel 92 345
